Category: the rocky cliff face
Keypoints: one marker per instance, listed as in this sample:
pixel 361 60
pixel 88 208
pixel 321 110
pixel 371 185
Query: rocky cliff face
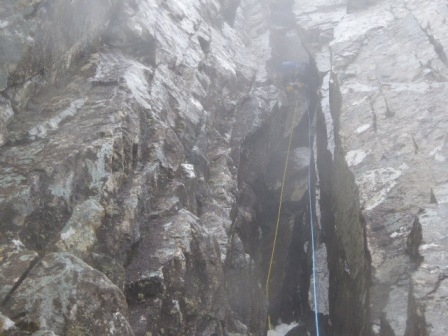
pixel 142 152
pixel 387 64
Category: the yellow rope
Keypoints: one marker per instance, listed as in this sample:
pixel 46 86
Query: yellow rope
pixel 279 212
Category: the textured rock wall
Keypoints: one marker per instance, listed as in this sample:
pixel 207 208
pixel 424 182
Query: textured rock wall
pixel 389 62
pixel 142 146
pixel 116 128
pixel 126 155
pixel 39 41
pixel 122 132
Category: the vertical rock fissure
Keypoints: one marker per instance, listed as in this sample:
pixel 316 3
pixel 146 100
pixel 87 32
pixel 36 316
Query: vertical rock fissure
pixel 340 229
pixel 262 160
pixel 341 235
pixel 343 230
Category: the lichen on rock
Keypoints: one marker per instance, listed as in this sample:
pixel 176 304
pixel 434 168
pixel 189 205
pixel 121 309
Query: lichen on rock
pixel 79 234
pixel 63 294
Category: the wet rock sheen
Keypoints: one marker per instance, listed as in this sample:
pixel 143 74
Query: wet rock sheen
pixel 142 152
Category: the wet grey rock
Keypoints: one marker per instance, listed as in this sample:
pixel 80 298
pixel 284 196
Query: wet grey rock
pixel 322 282
pixel 16 261
pixel 65 295
pixel 6 113
pixel 79 234
pixel 394 164
pixel 5 324
pixel 128 155
pixel 149 141
pixel 430 279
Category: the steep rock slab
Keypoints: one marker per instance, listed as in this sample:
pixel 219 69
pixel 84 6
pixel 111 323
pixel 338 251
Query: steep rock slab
pixel 343 229
pixel 389 60
pixel 204 71
pixel 59 169
pixel 340 223
pixel 134 132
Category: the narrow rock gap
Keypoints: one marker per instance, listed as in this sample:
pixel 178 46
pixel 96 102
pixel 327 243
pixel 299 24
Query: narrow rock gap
pixel 347 294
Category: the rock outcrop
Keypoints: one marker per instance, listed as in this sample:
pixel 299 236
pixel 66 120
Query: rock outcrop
pixel 142 154
pixel 388 66
pixel 116 135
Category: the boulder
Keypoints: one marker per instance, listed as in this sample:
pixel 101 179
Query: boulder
pixel 63 295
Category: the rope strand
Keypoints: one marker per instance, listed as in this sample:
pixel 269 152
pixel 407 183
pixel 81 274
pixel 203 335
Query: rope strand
pixel 310 142
pixel 279 212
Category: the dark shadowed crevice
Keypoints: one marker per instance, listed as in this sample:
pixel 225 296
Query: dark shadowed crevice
pixel 343 231
pixel 342 234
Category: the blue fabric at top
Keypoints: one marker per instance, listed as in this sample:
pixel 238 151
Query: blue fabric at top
pixel 290 66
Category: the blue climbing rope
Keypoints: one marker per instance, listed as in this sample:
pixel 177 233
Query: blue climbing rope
pixel 310 142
